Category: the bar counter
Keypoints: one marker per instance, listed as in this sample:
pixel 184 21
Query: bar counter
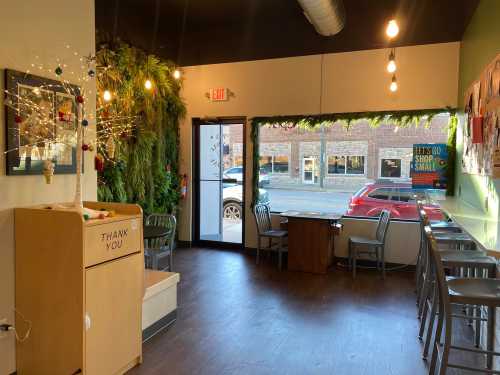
pixel 483 229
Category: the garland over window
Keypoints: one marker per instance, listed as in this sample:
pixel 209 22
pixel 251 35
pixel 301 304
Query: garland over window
pixel 402 119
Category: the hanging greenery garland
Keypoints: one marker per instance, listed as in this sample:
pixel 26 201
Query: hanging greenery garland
pixel 402 119
pixel 141 163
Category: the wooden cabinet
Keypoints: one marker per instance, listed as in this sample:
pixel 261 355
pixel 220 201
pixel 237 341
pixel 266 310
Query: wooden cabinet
pixel 80 283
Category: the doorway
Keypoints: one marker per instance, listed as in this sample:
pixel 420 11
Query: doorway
pixel 219 181
pixel 308 170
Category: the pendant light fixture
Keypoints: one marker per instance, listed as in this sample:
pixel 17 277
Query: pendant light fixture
pixel 394 84
pixel 392 31
pixel 391 65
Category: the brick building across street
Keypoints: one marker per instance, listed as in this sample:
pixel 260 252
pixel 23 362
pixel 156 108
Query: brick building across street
pixel 335 157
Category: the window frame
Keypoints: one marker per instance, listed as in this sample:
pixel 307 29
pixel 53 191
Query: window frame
pixel 345 165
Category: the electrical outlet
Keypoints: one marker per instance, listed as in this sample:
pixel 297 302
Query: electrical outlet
pixel 2 333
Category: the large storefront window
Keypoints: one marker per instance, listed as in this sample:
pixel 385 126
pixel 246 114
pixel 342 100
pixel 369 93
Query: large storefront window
pixel 274 164
pixel 355 165
pixel 336 165
pixel 355 172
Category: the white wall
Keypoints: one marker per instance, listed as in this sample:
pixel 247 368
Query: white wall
pixel 32 28
pixel 354 81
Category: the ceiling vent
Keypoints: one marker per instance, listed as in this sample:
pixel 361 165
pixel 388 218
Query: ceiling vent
pixel 327 16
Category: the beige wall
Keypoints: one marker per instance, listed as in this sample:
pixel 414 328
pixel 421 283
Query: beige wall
pixel 355 81
pixel 32 28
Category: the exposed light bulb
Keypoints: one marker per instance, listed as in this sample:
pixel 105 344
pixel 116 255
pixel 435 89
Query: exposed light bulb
pixel 391 66
pixel 392 29
pixel 106 95
pixel 177 74
pixel 148 84
pixel 394 84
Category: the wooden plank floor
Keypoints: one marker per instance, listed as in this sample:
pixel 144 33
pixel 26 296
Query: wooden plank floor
pixel 238 318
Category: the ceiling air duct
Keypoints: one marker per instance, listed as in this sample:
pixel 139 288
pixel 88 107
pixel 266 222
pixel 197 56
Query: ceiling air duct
pixel 327 16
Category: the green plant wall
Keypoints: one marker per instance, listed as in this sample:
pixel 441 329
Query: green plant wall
pixel 143 125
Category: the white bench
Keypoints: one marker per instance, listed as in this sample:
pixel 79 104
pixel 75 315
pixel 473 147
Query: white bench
pixel 159 306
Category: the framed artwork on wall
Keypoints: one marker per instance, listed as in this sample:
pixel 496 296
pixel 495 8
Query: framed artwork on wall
pixel 40 123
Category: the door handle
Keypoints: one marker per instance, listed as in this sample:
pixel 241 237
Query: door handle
pixel 230 180
pixel 88 322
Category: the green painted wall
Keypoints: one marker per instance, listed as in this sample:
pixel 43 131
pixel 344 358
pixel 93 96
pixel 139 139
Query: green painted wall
pixel 480 44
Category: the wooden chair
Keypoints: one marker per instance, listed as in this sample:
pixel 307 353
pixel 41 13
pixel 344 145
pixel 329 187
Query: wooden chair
pixel 262 214
pixel 161 247
pixel 374 247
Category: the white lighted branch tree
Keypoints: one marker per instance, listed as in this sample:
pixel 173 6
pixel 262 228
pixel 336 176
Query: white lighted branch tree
pixel 43 129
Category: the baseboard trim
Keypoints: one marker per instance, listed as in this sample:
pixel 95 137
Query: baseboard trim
pixel 184 244
pixel 159 326
pixel 343 261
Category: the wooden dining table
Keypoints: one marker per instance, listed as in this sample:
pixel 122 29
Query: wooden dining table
pixel 311 240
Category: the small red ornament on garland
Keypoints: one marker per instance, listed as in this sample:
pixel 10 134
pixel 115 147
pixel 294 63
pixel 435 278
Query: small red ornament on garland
pixel 79 99
pixel 85 147
pixel 18 119
pixel 99 163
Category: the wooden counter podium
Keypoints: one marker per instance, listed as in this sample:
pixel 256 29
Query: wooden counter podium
pixel 81 284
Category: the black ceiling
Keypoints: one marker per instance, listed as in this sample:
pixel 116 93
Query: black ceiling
pixel 218 31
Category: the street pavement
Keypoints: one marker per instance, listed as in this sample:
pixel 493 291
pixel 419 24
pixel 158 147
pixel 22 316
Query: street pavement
pixel 324 201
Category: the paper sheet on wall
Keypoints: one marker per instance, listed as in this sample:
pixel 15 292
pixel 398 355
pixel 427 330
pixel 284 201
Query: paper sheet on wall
pixel 481 133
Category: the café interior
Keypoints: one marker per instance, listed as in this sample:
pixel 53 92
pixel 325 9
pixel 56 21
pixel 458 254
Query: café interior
pixel 249 187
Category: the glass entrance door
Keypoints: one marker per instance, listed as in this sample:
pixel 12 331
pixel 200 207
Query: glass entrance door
pixel 308 170
pixel 219 182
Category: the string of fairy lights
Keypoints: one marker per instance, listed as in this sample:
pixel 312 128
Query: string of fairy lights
pixel 46 132
pixel 392 31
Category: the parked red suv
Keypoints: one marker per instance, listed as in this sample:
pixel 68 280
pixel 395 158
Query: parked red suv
pixel 399 198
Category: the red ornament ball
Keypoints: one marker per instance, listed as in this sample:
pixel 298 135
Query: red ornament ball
pixel 79 99
pixel 18 119
pixel 85 147
pixel 102 216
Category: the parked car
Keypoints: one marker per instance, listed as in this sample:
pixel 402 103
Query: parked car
pixel 232 195
pixel 399 198
pixel 236 173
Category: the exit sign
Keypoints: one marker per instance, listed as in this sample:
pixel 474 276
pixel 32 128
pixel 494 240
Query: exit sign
pixel 218 95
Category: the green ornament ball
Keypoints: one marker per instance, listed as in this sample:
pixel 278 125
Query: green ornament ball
pixel 58 70
pixel 86 217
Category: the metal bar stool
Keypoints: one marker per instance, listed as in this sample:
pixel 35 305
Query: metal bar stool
pixel 459 241
pixel 464 291
pixel 477 263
